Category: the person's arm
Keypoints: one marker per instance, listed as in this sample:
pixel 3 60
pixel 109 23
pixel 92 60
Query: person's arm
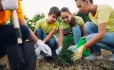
pixel 82 29
pixel 50 35
pixel 101 32
pixel 40 45
pixel 60 41
pixel 37 26
pixel 103 17
pixel 60 38
pixel 23 22
pixel 32 35
pixel 80 22
pixel 98 37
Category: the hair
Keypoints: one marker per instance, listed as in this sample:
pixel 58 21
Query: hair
pixel 54 10
pixel 73 21
pixel 91 1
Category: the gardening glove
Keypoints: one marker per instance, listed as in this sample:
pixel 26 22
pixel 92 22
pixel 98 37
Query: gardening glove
pixel 78 53
pixel 58 50
pixel 43 47
pixel 73 47
pixel 9 4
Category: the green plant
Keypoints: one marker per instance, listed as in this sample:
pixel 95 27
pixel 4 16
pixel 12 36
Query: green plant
pixel 65 55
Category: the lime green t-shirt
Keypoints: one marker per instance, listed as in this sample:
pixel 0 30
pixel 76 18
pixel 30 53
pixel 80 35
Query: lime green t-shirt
pixel 104 13
pixel 67 28
pixel 45 26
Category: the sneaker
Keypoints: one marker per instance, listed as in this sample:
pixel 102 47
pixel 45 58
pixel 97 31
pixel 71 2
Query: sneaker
pixel 112 58
pixel 93 57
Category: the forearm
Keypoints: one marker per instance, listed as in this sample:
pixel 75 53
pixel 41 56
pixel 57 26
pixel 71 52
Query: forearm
pixel 32 35
pixel 83 31
pixel 48 37
pixel 60 41
pixel 94 40
pixel 99 36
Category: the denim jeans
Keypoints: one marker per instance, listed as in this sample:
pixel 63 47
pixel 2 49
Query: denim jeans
pixel 107 42
pixel 8 36
pixel 76 31
pixel 52 43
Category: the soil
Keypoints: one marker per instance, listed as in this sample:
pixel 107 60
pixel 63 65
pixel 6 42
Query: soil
pixel 104 64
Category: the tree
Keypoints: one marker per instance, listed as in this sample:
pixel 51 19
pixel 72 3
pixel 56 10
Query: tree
pixel 31 23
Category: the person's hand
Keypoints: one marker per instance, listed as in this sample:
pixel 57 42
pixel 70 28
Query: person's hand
pixel 43 47
pixel 78 53
pixel 58 50
pixel 72 47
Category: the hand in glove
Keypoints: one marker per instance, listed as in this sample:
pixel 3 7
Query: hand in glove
pixel 58 50
pixel 78 53
pixel 73 47
pixel 43 47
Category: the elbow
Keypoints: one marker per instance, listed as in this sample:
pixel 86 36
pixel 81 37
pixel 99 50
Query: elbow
pixel 101 35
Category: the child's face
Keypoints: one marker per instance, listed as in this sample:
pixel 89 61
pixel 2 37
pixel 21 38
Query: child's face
pixel 83 6
pixel 52 18
pixel 66 17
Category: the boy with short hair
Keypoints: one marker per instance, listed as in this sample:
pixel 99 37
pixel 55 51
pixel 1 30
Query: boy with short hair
pixel 46 28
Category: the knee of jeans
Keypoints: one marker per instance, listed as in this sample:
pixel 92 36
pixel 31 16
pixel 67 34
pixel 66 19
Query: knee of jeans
pixel 38 31
pixel 25 32
pixel 87 26
pixel 76 28
pixel 52 44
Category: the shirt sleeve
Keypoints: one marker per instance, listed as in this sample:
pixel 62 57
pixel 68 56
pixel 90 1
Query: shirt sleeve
pixel 103 15
pixel 19 11
pixel 79 20
pixel 37 25
pixel 61 26
pixel 56 25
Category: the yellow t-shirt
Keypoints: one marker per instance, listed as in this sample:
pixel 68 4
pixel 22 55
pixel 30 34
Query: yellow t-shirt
pixel 45 26
pixel 104 13
pixel 67 28
pixel 5 15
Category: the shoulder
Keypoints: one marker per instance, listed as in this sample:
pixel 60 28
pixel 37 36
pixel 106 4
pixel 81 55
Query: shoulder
pixel 77 17
pixel 41 21
pixel 104 7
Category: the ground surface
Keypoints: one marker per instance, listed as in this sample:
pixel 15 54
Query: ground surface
pixel 104 64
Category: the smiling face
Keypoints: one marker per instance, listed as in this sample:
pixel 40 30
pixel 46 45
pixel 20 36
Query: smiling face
pixel 52 18
pixel 66 17
pixel 83 6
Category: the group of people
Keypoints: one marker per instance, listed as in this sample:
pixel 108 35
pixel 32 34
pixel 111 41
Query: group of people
pixel 99 32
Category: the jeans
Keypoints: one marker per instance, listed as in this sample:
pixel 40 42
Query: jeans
pixel 52 43
pixel 8 38
pixel 107 42
pixel 76 31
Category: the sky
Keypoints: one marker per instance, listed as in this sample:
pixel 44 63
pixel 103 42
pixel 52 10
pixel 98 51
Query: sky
pixel 32 7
